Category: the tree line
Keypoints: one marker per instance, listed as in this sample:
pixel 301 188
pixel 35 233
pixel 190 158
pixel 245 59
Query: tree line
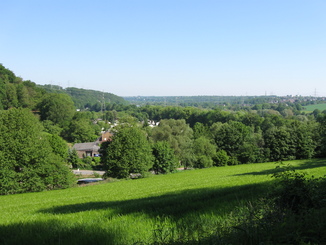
pixel 227 138
pixel 223 101
pixel 201 137
pixel 188 137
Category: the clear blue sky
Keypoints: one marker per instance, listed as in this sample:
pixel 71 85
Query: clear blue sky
pixel 168 47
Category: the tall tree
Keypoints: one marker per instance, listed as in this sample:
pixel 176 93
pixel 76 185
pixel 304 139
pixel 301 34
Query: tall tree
pixel 81 130
pixel 128 152
pixel 204 151
pixel 27 160
pixel 302 134
pixel 230 136
pixel 321 148
pixel 180 137
pixel 58 108
pixel 164 158
pixel 280 143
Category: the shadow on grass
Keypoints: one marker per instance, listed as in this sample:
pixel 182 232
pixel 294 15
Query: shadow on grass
pixel 56 232
pixel 183 208
pixel 307 164
pixel 175 205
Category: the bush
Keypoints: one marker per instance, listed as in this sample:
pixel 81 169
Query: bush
pixel 203 161
pixel 293 213
pixel 295 191
pixel 221 158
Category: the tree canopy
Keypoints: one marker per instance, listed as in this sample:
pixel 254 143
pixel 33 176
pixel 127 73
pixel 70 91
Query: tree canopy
pixel 179 135
pixel 29 161
pixel 128 152
pixel 58 108
pixel 164 158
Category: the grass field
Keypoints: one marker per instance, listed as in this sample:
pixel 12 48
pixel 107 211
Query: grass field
pixel 191 204
pixel 311 108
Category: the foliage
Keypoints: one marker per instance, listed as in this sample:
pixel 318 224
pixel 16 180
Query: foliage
pixel 237 140
pixel 164 158
pixel 204 152
pixel 221 158
pixel 295 191
pixel 29 161
pixel 128 152
pixel 321 150
pixel 280 143
pixel 292 141
pixel 58 108
pixel 81 130
pixel 58 145
pixel 201 130
pixel 73 158
pixel 235 102
pixel 86 163
pixel 51 128
pixel 179 135
pixel 86 98
pixel 14 92
pixel 293 212
pixel 303 134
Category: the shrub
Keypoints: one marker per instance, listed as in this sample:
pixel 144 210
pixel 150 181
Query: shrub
pixel 221 158
pixel 293 213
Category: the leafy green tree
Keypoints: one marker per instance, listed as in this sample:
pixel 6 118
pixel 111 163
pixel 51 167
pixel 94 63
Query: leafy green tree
pixel 81 130
pixel 201 130
pixel 221 158
pixel 302 134
pixel 14 92
pixel 180 137
pixel 51 128
pixel 252 150
pixel 230 136
pixel 204 152
pixel 316 113
pixel 30 94
pixel 111 116
pixel 28 162
pixel 164 158
pixel 58 145
pixel 73 158
pixel 252 119
pixel 128 152
pixel 58 108
pixel 11 99
pixel 321 135
pixel 279 143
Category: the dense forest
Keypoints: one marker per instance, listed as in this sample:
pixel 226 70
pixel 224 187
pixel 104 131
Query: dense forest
pixel 86 98
pixel 146 136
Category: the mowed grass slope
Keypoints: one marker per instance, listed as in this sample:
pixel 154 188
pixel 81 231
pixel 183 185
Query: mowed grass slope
pixel 157 209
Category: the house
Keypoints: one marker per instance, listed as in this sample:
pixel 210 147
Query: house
pixel 91 149
pixel 88 149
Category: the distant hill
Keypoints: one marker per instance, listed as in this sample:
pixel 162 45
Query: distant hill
pixel 85 97
pixel 15 92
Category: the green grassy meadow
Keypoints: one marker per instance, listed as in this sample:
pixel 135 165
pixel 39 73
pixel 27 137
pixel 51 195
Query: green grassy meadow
pixel 188 205
pixel 311 108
